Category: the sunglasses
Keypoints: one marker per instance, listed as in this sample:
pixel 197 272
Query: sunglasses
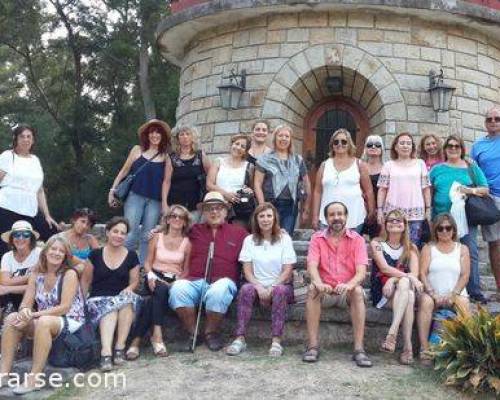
pixel 395 221
pixel 21 235
pixel 444 228
pixel 374 144
pixel 453 146
pixel 176 216
pixel 342 142
pixel 491 119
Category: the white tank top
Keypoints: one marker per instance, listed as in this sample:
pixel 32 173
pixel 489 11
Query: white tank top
pixel 230 179
pixel 343 186
pixel 444 270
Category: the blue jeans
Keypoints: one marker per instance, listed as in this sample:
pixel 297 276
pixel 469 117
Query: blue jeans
pixel 470 240
pixel 143 215
pixel 287 210
pixel 218 295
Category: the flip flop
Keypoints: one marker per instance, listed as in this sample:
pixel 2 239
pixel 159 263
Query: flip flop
pixel 361 359
pixel 311 355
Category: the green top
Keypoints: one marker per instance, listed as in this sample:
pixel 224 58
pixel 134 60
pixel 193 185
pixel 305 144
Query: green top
pixel 442 177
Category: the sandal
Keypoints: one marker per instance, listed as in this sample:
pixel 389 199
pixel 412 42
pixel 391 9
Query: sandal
pixel 361 359
pixel 132 353
pixel 311 355
pixel 159 349
pixel 237 347
pixel 406 357
pixel 118 358
pixel 425 358
pixel 389 344
pixel 276 349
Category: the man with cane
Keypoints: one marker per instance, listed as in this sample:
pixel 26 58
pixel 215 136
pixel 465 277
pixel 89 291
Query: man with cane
pixel 212 276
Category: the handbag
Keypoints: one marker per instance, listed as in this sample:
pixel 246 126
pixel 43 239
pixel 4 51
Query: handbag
pixel 480 210
pixel 123 188
pixel 80 349
pixel 246 206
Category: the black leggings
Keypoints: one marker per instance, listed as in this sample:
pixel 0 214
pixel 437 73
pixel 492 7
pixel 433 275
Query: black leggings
pixel 7 219
pixel 152 311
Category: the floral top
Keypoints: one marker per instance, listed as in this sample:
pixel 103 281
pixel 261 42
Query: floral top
pixel 404 184
pixel 46 300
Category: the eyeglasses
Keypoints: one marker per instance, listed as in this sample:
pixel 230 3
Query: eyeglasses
pixel 443 228
pixel 342 142
pixel 453 146
pixel 374 144
pixel 395 221
pixel 215 207
pixel 491 119
pixel 21 235
pixel 176 216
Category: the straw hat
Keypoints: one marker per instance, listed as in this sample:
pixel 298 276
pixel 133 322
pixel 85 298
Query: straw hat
pixel 213 198
pixel 20 226
pixel 153 121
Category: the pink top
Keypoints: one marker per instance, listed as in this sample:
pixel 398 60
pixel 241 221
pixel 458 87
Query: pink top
pixel 337 264
pixel 404 188
pixel 429 164
pixel 169 260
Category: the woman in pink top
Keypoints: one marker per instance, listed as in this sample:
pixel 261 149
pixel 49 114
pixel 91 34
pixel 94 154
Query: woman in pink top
pixel 167 261
pixel 404 184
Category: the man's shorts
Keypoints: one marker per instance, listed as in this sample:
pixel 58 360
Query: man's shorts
pixel 491 233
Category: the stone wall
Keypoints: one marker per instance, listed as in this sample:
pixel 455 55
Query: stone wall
pixel 384 59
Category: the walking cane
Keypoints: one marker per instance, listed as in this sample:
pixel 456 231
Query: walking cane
pixel 208 267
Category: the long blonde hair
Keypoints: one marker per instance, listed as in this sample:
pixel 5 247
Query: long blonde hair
pixel 408 246
pixel 42 261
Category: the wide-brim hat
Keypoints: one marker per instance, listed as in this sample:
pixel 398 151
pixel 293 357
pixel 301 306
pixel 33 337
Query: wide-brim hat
pixel 215 198
pixel 154 121
pixel 20 226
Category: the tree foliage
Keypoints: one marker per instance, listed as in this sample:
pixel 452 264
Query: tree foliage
pixel 85 74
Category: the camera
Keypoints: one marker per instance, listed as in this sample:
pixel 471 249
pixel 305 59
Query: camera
pixel 244 196
pixel 168 277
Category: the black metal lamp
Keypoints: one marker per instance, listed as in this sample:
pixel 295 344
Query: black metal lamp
pixel 440 92
pixel 230 93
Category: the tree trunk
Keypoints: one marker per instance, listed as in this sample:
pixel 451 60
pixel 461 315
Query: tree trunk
pixel 147 99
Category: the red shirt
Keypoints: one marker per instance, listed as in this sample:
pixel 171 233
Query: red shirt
pixel 228 242
pixel 337 264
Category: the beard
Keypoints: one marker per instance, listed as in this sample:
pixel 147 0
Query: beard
pixel 337 226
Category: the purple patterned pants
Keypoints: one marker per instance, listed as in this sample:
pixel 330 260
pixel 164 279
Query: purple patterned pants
pixel 282 295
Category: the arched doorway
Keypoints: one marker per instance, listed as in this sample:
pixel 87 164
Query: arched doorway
pixel 326 118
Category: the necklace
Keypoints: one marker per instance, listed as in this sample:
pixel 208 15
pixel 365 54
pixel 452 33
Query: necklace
pixel 392 247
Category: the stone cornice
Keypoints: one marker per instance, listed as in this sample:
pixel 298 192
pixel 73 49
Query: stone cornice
pixel 175 32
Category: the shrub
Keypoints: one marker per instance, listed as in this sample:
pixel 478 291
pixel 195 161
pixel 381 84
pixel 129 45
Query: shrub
pixel 468 355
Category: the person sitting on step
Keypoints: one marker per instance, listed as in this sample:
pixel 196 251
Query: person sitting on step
pixel 268 257
pixel 336 261
pixel 219 288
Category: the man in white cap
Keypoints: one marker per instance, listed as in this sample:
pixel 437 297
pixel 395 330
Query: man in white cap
pixel 221 285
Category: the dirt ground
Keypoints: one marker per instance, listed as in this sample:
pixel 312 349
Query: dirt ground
pixel 254 375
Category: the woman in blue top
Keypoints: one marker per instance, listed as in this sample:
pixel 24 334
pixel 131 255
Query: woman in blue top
pixel 81 241
pixel 142 207
pixel 457 169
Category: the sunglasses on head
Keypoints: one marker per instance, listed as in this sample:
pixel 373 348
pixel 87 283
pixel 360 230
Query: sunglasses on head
pixel 342 142
pixel 21 235
pixel 444 228
pixel 491 119
pixel 374 144
pixel 453 146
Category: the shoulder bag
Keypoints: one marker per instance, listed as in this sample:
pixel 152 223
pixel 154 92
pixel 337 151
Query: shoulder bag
pixel 123 188
pixel 480 210
pixel 80 349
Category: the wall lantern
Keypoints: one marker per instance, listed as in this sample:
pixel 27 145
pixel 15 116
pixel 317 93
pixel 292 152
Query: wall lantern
pixel 230 93
pixel 440 92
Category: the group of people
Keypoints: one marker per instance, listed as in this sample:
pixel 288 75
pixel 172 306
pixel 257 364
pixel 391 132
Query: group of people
pixel 242 209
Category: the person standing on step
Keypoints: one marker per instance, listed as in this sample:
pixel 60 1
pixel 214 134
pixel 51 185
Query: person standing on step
pixel 336 261
pixel 221 285
pixel 260 132
pixel 343 177
pixel 142 208
pixel 430 150
pixel 486 152
pixel 268 257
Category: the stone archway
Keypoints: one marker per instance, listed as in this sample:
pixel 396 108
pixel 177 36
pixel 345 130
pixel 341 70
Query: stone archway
pixel 297 88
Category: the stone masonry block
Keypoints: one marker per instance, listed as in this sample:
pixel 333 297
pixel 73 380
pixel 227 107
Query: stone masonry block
pixel 394 65
pixel 226 128
pixel 287 76
pixel 462 45
pixel 361 20
pixel 423 36
pixel 300 65
pixel 352 56
pixel 337 19
pixel 406 51
pixel 417 67
pixel 472 76
pixel 412 82
pixel 278 36
pixel 466 60
pixel 259 82
pixel 321 35
pixel 370 35
pixel 397 37
pixel 421 114
pixel 390 94
pixel 312 85
pixel 281 21
pixel 381 78
pixel 470 120
pixel 448 58
pixel 277 92
pixel 316 56
pixel 241 38
pixel 273 65
pixel 313 19
pixel 489 94
pixel 268 51
pixel 253 23
pixel 430 54
pixel 466 104
pixel 470 90
pixel 290 49
pixel 334 55
pixel 368 66
pixel 411 98
pixel 245 53
pixel 396 111
pixel 486 64
pixel 393 22
pixel 297 35
pixel 221 144
pixel 346 35
pixel 199 88
pixel 257 36
pixel 377 49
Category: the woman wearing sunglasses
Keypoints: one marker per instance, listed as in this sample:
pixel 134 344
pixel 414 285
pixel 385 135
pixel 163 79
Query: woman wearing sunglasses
pixel 374 157
pixel 17 264
pixel 396 274
pixel 404 184
pixel 167 261
pixel 444 271
pixel 344 178
pixel 457 169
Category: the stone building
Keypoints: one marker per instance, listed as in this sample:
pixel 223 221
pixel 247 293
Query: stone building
pixel 381 51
